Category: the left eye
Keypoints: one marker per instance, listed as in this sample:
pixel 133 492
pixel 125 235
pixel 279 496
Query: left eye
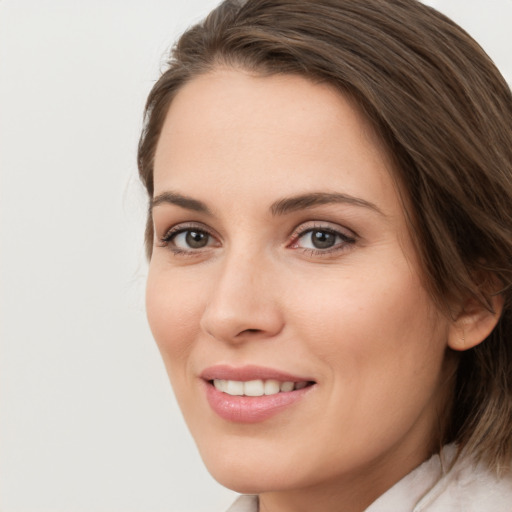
pixel 320 239
pixel 191 239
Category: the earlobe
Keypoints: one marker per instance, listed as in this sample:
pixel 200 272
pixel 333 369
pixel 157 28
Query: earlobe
pixel 474 323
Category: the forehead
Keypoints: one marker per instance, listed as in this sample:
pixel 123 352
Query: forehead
pixel 234 119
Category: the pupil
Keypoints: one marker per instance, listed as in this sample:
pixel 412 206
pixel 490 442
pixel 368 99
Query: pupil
pixel 323 239
pixel 196 239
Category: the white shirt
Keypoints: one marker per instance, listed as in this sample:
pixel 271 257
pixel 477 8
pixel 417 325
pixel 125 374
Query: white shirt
pixel 431 487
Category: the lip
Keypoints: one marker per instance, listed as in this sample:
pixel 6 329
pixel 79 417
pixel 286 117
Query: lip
pixel 249 372
pixel 245 409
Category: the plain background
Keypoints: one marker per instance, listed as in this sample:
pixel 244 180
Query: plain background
pixel 88 421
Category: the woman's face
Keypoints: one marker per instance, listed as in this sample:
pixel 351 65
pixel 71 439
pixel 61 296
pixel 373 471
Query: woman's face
pixel 282 264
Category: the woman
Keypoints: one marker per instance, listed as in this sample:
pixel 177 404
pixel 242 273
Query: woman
pixel 330 246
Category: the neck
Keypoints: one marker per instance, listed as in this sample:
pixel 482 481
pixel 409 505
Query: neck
pixel 354 493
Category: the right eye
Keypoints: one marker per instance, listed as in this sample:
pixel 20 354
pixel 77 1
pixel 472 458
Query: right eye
pixel 191 239
pixel 188 239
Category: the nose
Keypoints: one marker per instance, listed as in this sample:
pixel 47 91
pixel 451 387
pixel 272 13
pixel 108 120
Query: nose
pixel 242 303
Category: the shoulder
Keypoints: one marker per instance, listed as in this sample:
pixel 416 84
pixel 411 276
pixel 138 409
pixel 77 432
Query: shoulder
pixel 439 485
pixel 467 487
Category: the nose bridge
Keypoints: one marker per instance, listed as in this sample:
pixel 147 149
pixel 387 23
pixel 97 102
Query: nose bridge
pixel 241 302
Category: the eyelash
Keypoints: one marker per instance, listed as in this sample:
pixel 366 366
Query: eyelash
pixel 168 239
pixel 297 235
pixel 346 239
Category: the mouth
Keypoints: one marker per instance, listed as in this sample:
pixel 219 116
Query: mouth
pixel 252 394
pixel 258 387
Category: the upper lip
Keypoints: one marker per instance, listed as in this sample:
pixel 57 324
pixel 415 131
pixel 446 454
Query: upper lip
pixel 249 372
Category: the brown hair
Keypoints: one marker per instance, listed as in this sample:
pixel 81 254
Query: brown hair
pixel 445 114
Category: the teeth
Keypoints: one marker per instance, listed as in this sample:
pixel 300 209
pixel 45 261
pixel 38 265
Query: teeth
pixel 220 385
pixel 271 387
pixel 256 387
pixel 234 387
pixel 253 388
pixel 287 386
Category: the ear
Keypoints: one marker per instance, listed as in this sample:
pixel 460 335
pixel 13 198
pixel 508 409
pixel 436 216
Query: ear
pixel 474 323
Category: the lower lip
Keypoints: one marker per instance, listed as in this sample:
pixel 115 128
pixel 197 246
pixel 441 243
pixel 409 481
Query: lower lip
pixel 251 409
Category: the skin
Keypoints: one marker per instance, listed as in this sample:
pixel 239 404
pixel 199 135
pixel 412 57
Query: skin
pixel 355 318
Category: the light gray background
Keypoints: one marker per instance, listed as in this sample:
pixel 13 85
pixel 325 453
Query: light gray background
pixel 88 422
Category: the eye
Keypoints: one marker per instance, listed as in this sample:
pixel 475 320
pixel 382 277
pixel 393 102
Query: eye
pixel 321 239
pixel 183 239
pixel 318 239
pixel 191 239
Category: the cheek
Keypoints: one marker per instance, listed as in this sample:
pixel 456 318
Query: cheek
pixel 380 351
pixel 380 322
pixel 173 316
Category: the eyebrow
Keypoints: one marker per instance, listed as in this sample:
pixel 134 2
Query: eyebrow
pixel 305 201
pixel 179 200
pixel 278 208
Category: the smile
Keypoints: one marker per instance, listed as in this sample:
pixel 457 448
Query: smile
pixel 252 394
pixel 257 387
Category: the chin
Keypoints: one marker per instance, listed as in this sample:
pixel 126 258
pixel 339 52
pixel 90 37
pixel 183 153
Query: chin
pixel 249 471
pixel 251 480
